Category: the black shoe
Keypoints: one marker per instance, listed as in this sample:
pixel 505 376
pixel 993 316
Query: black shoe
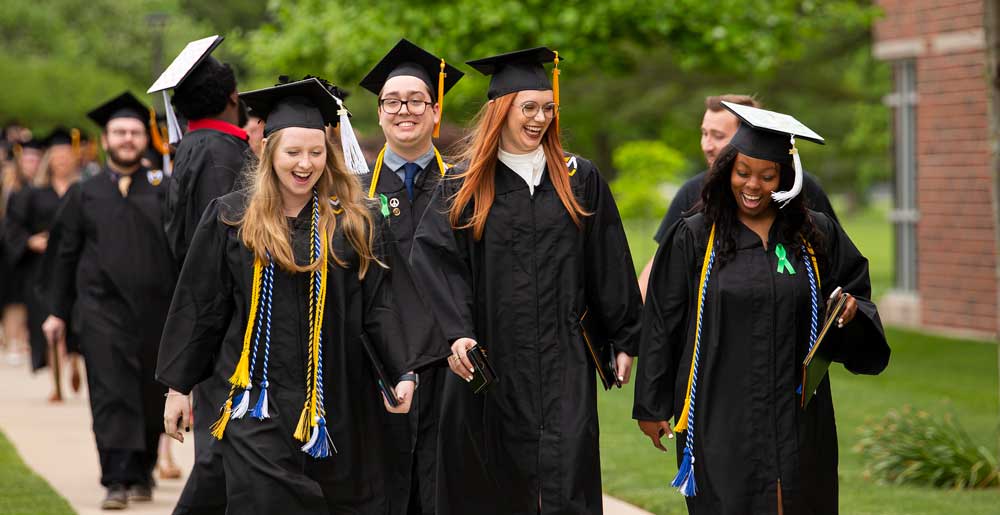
pixel 116 499
pixel 140 493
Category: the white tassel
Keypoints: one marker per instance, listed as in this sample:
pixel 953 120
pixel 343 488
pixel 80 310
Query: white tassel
pixel 174 134
pixel 241 409
pixel 353 157
pixel 784 197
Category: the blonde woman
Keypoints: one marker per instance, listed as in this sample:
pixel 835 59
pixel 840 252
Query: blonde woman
pixel 29 217
pixel 279 285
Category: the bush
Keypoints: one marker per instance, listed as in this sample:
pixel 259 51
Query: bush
pixel 917 448
pixel 643 166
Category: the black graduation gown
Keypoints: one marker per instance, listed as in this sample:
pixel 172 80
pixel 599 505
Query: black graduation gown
pixel 30 212
pixel 266 472
pixel 111 269
pixel 750 431
pixel 690 192
pixel 414 435
pixel 519 292
pixel 207 166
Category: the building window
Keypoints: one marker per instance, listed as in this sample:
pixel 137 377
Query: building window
pixel 904 214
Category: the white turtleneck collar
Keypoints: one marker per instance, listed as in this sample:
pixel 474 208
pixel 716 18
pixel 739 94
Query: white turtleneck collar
pixel 529 166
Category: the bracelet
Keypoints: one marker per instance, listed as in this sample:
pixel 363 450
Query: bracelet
pixel 410 376
pixel 168 394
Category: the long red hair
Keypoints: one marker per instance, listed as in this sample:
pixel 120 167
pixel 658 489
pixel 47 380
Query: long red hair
pixel 480 152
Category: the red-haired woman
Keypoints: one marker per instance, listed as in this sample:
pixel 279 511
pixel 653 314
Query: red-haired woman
pixel 522 243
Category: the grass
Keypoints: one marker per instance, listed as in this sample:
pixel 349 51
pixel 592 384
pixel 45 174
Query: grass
pixel 927 372
pixel 22 492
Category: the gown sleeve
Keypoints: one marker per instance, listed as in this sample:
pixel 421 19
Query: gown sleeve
pixel 612 287
pixel 394 313
pixel 66 240
pixel 439 259
pixel 861 345
pixel 664 324
pixel 201 310
pixel 16 226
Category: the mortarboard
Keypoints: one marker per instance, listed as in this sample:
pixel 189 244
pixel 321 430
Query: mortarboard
pixel 182 67
pixel 771 136
pixel 311 103
pixel 122 106
pixel 409 59
pixel 519 71
pixel 59 136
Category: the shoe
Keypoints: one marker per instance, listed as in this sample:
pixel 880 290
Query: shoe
pixel 140 493
pixel 169 471
pixel 116 499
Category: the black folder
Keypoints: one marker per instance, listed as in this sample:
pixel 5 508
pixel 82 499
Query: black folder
pixel 384 383
pixel 601 351
pixel 817 362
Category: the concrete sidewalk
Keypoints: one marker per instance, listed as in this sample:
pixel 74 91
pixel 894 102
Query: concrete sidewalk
pixel 55 440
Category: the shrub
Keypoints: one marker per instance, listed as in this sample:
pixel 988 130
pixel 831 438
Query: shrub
pixel 917 448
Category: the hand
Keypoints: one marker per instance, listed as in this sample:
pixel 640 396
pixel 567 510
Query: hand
pixel 404 392
pixel 54 329
pixel 37 243
pixel 850 309
pixel 624 362
pixel 176 415
pixel 459 359
pixel 656 430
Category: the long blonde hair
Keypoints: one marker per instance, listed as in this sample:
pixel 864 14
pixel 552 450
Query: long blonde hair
pixel 263 227
pixel 480 152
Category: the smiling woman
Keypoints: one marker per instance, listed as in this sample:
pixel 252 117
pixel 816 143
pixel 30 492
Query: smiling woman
pixel 520 243
pixel 280 284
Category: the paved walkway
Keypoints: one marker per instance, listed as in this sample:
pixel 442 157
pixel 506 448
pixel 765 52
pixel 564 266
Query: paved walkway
pixel 55 440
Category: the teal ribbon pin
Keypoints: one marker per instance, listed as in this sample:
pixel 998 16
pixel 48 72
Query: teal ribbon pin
pixel 783 263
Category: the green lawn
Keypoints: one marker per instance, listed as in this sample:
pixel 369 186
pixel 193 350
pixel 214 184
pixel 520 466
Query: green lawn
pixel 22 492
pixel 926 372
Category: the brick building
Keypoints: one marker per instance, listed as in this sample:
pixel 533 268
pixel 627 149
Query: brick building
pixel 943 54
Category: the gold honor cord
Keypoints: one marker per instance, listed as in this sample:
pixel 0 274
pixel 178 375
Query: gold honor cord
pixel 378 168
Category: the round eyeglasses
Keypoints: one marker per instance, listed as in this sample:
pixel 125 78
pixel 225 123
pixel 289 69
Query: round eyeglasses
pixel 395 105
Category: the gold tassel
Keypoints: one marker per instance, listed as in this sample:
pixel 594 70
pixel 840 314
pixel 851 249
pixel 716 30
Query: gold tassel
pixel 219 427
pixel 555 80
pixel 302 429
pixel 154 133
pixel 75 138
pixel 241 376
pixel 441 76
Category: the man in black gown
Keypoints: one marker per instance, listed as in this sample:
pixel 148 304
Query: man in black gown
pixel 111 269
pixel 405 175
pixel 208 163
pixel 717 128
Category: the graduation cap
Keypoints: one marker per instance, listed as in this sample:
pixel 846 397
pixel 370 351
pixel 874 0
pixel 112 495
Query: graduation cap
pixel 33 143
pixel 60 136
pixel 310 103
pixel 122 106
pixel 410 60
pixel 771 136
pixel 519 71
pixel 182 67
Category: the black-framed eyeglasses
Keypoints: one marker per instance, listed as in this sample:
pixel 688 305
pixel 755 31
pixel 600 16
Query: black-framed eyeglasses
pixel 531 109
pixel 394 105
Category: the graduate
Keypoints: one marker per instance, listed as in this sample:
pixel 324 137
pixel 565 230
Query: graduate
pixel 29 217
pixel 109 269
pixel 736 295
pixel 209 160
pixel 282 284
pixel 517 246
pixel 411 84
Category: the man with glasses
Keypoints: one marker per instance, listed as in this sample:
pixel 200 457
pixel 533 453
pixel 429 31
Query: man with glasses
pixel 410 84
pixel 110 268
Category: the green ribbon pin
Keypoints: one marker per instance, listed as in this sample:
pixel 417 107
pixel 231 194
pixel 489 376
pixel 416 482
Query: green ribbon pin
pixel 783 263
pixel 385 205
